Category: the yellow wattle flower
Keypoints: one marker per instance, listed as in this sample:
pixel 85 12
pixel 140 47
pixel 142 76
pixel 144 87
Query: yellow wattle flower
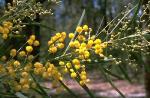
pixel 76 62
pixel 53 49
pixel 79 29
pixel 13 52
pixel 73 75
pixel 71 35
pixel 36 43
pixel 29 49
pixel 32 37
pixel 85 28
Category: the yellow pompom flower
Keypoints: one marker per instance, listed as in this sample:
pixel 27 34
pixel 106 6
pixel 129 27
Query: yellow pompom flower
pixel 83 77
pixel 36 71
pixel 16 63
pixel 54 38
pixel 68 65
pixel 73 75
pixel 82 83
pixel 27 68
pixel 77 43
pixel 5 36
pixel 63 34
pixel 38 65
pixel 98 51
pixel 90 42
pixel 86 54
pixel 24 80
pixel 79 29
pixel 29 49
pixel 61 63
pixel 49 70
pixel 83 73
pixel 65 70
pixel 97 41
pixel 71 44
pixel 24 74
pixel 97 46
pixel 81 51
pixel 76 62
pixel 22 53
pixel 60 45
pixel 83 45
pixel 85 28
pixel 61 39
pixel 7 24
pixel 71 70
pixel 71 35
pixel 49 42
pixel 52 49
pixel 32 37
pixel 30 57
pixel 81 57
pixel 81 38
pixel 30 41
pixel 25 87
pixel 13 52
pixel 77 67
pixel 58 35
pixel 5 30
pixel 36 43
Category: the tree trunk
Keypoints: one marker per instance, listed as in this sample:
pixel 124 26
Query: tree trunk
pixel 147 75
pixel 147 84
